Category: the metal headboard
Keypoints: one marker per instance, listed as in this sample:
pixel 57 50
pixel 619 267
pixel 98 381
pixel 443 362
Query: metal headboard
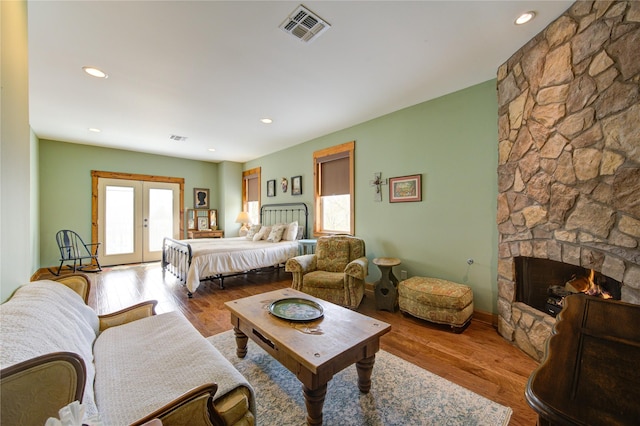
pixel 271 214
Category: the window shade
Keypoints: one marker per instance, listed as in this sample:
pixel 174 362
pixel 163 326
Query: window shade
pixel 253 191
pixel 334 175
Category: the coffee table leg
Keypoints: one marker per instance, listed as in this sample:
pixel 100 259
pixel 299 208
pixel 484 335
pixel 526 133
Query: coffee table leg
pixel 314 400
pixel 241 343
pixel 365 368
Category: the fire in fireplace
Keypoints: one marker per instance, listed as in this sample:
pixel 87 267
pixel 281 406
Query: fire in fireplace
pixel 543 284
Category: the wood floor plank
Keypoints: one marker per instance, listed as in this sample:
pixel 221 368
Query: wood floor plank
pixel 478 359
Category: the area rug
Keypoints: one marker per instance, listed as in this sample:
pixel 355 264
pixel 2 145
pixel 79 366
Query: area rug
pixel 401 394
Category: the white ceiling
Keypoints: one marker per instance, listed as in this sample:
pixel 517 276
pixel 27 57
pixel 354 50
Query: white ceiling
pixel 210 70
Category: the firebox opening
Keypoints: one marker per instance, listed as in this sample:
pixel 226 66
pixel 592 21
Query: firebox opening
pixel 543 284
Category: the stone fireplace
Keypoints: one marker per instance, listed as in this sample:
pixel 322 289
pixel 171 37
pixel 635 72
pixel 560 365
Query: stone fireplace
pixel 543 284
pixel 569 158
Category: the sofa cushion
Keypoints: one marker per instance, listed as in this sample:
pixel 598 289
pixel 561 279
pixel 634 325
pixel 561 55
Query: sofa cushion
pixel 356 246
pixel 142 366
pixel 333 254
pixel 324 279
pixel 44 317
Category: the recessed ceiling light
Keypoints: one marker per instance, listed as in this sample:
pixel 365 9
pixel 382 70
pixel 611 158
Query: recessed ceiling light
pixel 94 130
pixel 211 149
pixel 525 17
pixel 266 120
pixel 95 72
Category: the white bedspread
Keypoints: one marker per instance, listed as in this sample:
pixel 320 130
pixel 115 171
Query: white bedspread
pixel 213 256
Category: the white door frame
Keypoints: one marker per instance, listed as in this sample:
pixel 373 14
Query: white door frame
pixel 95 199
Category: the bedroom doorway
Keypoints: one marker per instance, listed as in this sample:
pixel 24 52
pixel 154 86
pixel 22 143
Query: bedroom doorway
pixel 133 216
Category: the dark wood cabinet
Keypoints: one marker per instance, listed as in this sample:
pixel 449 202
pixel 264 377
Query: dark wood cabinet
pixel 205 234
pixel 590 373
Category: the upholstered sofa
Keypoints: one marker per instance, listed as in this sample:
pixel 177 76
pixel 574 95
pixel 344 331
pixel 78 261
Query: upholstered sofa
pixel 335 272
pixel 125 368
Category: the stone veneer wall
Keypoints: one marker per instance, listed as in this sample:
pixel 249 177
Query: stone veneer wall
pixel 569 156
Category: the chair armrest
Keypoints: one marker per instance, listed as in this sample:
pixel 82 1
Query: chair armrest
pixel 95 247
pixel 192 408
pixel 79 283
pixel 298 266
pixel 130 314
pixel 357 268
pixel 36 389
pixel 305 263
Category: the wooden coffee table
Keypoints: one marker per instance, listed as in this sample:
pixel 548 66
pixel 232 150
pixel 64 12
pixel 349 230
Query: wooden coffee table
pixel 313 351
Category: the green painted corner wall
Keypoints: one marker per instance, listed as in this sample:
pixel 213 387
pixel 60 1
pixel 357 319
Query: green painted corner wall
pixel 452 142
pixel 230 190
pixel 65 185
pixel 16 156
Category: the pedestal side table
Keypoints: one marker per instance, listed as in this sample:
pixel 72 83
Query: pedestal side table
pixel 386 289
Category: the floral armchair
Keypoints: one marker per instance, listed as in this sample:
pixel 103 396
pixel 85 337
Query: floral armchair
pixel 335 273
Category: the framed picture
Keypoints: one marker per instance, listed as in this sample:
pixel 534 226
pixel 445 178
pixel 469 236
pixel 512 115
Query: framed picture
pixel 200 198
pixel 296 185
pixel 405 188
pixel 271 188
pixel 203 223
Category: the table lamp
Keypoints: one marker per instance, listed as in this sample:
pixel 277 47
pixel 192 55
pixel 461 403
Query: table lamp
pixel 245 220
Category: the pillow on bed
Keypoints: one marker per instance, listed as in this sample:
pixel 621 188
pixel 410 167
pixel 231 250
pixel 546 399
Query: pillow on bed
pixel 291 232
pixel 262 234
pixel 277 231
pixel 253 230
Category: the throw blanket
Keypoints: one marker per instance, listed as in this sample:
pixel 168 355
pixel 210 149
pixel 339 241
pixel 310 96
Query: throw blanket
pixel 229 255
pixel 142 366
pixel 44 317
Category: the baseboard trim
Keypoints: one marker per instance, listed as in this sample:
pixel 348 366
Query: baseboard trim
pixel 486 317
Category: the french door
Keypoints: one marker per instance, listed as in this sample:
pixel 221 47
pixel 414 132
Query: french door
pixel 133 218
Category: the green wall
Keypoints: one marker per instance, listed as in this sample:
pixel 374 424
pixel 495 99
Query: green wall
pixel 65 185
pixel 16 155
pixel 452 142
pixel 230 189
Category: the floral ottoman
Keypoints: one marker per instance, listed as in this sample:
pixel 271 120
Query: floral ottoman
pixel 437 300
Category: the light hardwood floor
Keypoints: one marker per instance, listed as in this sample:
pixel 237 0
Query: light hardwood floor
pixel 479 359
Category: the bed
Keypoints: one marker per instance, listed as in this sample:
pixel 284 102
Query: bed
pixel 195 260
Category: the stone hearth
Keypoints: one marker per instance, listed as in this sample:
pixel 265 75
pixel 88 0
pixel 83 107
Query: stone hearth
pixel 569 157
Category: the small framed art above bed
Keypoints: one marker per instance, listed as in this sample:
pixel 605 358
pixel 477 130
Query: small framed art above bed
pixel 269 244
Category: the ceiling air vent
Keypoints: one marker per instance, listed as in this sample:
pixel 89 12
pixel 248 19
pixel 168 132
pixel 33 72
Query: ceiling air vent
pixel 304 24
pixel 178 138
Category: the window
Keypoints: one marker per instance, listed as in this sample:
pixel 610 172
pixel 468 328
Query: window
pixel 334 195
pixel 251 193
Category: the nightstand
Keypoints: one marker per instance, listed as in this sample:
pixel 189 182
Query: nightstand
pixel 306 246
